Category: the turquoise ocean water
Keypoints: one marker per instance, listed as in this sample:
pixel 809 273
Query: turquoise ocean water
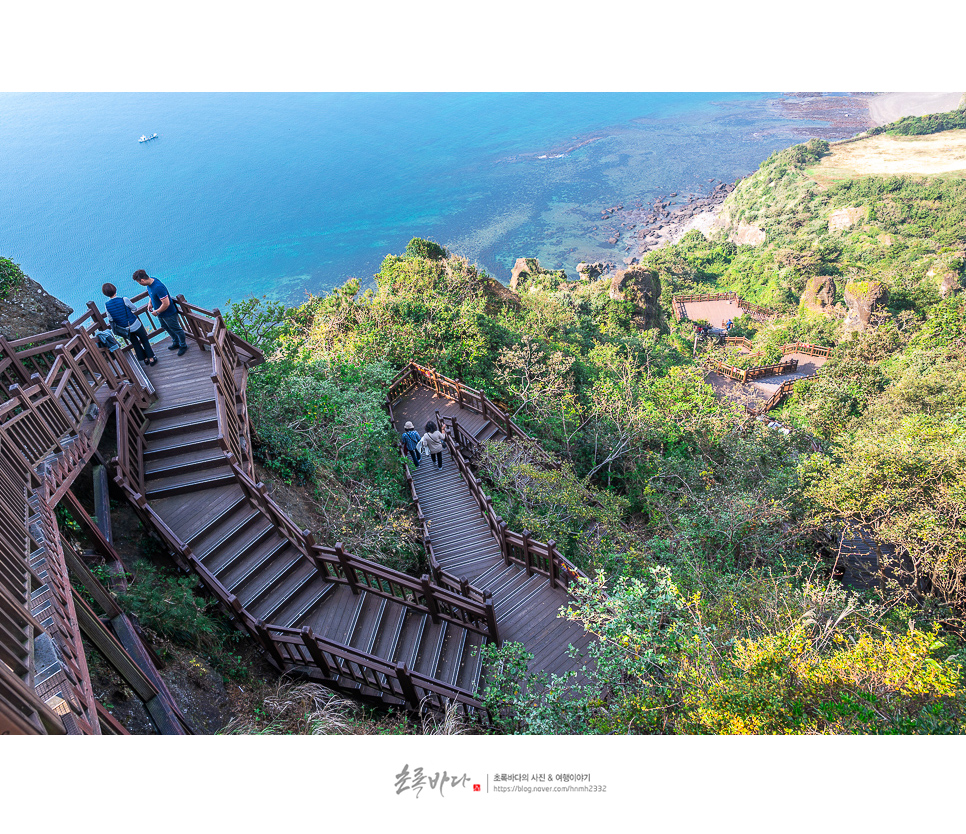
pixel 281 194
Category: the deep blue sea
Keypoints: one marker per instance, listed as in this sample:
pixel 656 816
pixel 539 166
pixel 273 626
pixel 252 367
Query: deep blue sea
pixel 283 194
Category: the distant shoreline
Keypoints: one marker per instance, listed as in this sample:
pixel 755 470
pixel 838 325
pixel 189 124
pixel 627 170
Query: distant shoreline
pixel 888 107
pixel 883 108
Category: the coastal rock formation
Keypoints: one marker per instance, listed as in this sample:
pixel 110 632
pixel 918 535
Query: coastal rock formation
pixel 747 235
pixel 527 273
pixel 590 271
pixel 29 309
pixel 845 218
pixel 498 295
pixel 520 268
pixel 819 294
pixel 946 273
pixel 864 301
pixel 642 288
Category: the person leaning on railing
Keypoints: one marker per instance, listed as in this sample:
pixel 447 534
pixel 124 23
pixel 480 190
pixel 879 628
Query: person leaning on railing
pixel 163 306
pixel 124 322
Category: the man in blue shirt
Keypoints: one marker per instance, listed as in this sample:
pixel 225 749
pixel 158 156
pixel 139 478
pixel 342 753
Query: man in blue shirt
pixel 162 305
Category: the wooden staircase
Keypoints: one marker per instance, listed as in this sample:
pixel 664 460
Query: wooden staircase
pixel 463 536
pixel 190 483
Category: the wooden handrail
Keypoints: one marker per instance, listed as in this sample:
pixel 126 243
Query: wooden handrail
pixel 301 648
pixel 807 349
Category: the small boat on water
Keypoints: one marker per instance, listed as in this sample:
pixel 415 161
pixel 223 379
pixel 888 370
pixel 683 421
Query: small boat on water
pixel 147 138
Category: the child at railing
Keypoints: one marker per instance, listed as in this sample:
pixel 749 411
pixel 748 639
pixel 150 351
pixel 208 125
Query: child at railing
pixel 125 322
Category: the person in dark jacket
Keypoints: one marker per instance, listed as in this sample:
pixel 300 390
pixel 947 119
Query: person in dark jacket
pixel 125 322
pixel 162 305
pixel 410 440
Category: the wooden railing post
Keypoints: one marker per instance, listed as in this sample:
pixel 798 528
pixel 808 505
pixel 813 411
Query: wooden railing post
pixel 309 541
pixel 269 644
pixel 97 316
pixel 431 602
pixel 347 569
pixel 459 395
pixel 526 552
pixel 191 324
pixel 552 568
pixel 16 366
pixel 315 651
pixel 491 617
pixel 406 684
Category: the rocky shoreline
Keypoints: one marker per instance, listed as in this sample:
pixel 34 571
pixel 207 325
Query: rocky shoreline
pixel 641 228
pixel 635 229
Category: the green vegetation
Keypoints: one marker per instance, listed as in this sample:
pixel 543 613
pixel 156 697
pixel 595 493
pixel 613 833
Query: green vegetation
pixel 11 277
pixel 923 125
pixel 710 538
pixel 172 606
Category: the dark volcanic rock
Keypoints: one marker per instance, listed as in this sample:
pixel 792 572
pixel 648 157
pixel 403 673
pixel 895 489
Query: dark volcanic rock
pixel 30 309
pixel 819 293
pixel 642 287
pixel 864 300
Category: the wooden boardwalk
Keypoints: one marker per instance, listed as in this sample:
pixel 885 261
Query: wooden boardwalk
pixel 527 606
pixel 190 484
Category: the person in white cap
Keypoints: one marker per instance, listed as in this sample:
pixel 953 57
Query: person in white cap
pixel 410 440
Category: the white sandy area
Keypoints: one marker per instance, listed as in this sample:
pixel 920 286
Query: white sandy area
pixel 887 107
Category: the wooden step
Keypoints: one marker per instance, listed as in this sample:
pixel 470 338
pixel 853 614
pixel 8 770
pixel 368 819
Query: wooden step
pixel 430 653
pixel 179 425
pixel 460 565
pixel 471 663
pixel 510 603
pixel 494 576
pixel 216 521
pixel 311 596
pixel 489 434
pixel 193 442
pixel 263 583
pixel 462 541
pixel 445 496
pixel 240 563
pixel 361 633
pixel 283 588
pixel 413 625
pixel 389 632
pixel 458 649
pixel 161 410
pixel 188 462
pixel 510 583
pixel 484 430
pixel 240 523
pixel 178 485
pixel 435 480
pixel 455 499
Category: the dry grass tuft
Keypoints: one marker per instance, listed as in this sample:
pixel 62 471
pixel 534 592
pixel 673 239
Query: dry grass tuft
pixel 299 709
pixel 452 722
